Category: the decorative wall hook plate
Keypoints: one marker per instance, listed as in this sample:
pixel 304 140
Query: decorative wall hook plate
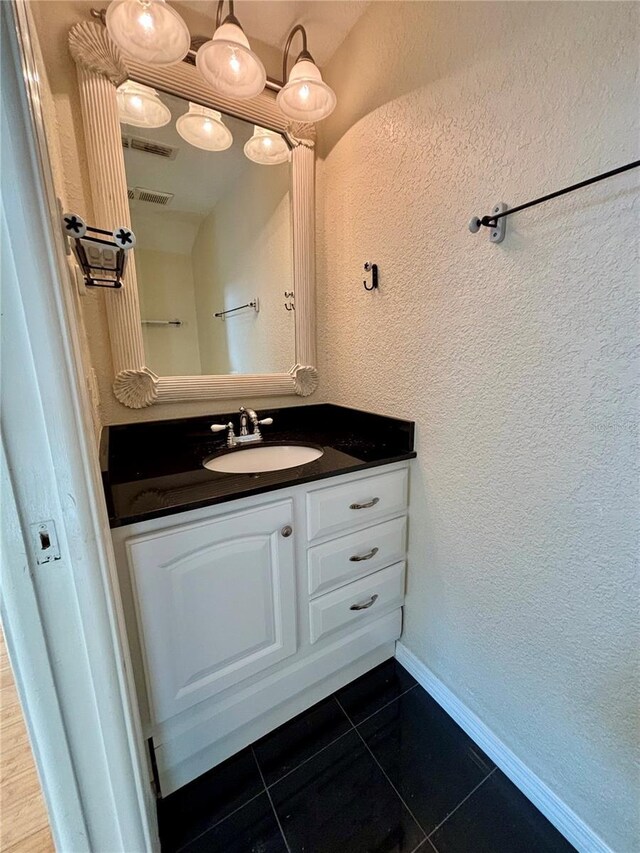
pixel 497 227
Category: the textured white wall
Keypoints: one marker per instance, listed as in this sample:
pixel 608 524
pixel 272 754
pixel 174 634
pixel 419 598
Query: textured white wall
pixel 164 230
pixel 516 361
pixel 166 290
pixel 244 251
pixel 209 298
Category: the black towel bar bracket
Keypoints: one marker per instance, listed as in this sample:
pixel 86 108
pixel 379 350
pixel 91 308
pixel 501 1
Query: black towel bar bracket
pixel 255 304
pixel 496 220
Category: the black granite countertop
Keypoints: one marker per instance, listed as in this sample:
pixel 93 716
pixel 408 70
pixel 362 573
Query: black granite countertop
pixel 155 468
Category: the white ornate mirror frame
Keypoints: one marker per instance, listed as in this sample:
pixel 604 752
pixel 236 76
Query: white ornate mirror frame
pixel 101 69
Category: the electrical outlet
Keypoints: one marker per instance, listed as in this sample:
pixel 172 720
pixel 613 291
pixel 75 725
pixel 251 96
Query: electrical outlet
pixel 101 258
pixel 45 542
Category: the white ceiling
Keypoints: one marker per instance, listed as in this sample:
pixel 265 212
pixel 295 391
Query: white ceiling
pixel 327 21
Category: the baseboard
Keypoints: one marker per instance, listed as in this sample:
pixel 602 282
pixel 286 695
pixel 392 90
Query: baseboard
pixel 566 821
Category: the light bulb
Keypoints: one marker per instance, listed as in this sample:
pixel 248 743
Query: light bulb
pixel 140 106
pixel 306 97
pixel 266 147
pixel 146 21
pixel 148 30
pixel 204 129
pixel 229 65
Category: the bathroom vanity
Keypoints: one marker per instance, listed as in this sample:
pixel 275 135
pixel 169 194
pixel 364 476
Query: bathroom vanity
pixel 248 594
pixel 249 597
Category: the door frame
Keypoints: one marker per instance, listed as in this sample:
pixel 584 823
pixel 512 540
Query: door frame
pixel 63 619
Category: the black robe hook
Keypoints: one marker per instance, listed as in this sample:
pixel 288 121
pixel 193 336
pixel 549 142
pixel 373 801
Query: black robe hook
pixel 373 269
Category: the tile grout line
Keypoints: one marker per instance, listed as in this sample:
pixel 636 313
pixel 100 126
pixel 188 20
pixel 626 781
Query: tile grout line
pixel 382 707
pixel 425 843
pixel 336 739
pixel 310 758
pixel 307 760
pixel 382 770
pixel 464 800
pixel 273 808
pixel 218 822
pixel 354 727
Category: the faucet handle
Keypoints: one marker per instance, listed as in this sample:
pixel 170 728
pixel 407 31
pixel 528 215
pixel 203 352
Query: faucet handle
pixel 231 436
pixel 266 422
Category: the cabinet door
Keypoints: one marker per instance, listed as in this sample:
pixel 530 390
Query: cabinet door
pixel 215 603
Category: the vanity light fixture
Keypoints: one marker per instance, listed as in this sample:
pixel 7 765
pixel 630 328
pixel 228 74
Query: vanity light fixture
pixel 305 97
pixel 227 62
pixel 266 147
pixel 204 128
pixel 140 106
pixel 152 32
pixel 148 30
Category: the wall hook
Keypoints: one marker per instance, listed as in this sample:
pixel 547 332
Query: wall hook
pixel 289 294
pixel 373 269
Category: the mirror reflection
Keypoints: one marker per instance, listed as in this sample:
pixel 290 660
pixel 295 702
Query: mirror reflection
pixel 210 206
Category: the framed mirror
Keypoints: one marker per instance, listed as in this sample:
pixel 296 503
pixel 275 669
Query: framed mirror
pixel 218 295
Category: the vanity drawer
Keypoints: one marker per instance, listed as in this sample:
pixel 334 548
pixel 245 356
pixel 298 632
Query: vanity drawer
pixel 355 554
pixel 357 601
pixel 336 508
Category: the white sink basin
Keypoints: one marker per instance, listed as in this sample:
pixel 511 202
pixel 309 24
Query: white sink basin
pixel 255 460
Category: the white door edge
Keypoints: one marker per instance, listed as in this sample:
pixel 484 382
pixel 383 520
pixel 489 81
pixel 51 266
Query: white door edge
pixel 53 472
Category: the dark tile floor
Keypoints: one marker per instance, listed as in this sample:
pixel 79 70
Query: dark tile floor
pixel 378 767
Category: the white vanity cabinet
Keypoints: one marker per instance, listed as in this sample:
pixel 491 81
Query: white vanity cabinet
pixel 216 603
pixel 241 615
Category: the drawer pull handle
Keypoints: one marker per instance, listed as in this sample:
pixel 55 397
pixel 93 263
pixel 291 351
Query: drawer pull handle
pixel 370 503
pixel 358 559
pixel 365 605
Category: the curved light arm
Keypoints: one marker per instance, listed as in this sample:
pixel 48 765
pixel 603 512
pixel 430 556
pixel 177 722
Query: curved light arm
pixel 231 18
pixel 304 54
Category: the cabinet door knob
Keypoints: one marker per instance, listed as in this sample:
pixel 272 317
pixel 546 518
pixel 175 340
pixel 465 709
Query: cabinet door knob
pixel 287 531
pixel 365 605
pixel 357 558
pixel 368 504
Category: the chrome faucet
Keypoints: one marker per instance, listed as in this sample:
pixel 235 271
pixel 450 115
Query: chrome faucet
pixel 245 437
pixel 245 416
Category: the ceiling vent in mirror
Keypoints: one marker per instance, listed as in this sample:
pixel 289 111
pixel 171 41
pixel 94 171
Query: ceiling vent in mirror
pixel 151 196
pixel 131 193
pixel 149 146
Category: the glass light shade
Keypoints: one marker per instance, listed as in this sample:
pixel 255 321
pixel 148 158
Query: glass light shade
pixel 229 65
pixel 266 147
pixel 148 30
pixel 306 97
pixel 140 106
pixel 204 128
